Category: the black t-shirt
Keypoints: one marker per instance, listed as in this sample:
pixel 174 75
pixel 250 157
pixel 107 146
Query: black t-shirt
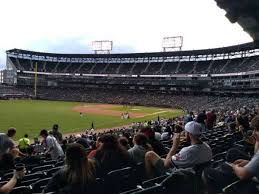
pixel 57 182
pixel 108 161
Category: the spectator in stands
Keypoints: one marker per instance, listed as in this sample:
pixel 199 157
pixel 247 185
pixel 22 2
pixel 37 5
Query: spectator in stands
pixel 31 158
pixel 201 118
pixel 37 146
pixel 56 133
pixel 111 156
pixel 7 162
pixel 189 117
pixel 240 168
pixel 6 142
pixel 78 173
pixel 8 187
pixel 211 119
pixel 141 146
pixel 157 146
pixel 166 135
pixel 242 122
pixel 128 136
pixel 123 141
pixel 198 153
pixel 53 147
pixel 83 141
pixel 98 144
pixel 24 143
pixel 64 145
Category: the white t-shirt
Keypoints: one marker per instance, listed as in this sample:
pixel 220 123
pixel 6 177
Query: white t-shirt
pixel 253 165
pixel 57 151
pixel 192 155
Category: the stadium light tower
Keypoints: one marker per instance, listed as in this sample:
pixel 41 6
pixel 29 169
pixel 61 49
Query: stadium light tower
pixel 102 46
pixel 172 43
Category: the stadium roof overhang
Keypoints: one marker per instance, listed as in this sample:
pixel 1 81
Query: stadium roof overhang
pixel 245 13
pixel 231 50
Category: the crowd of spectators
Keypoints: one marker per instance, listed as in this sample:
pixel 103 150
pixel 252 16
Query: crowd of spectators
pixel 186 102
pixel 162 146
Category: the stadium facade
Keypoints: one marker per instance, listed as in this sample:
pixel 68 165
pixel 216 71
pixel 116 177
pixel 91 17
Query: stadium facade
pixel 226 70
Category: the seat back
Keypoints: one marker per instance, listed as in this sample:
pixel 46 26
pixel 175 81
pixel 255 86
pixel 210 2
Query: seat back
pixel 7 176
pixel 140 172
pixel 154 181
pixel 21 190
pixel 157 189
pixel 49 162
pixel 38 186
pixel 33 176
pixel 198 168
pixel 120 180
pixel 42 168
pixel 52 171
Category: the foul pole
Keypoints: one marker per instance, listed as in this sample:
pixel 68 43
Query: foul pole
pixel 35 79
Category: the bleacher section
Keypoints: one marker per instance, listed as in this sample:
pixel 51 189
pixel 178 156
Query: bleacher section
pixel 156 68
pixel 130 179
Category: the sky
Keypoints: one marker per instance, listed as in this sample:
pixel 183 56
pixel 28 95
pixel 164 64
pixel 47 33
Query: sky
pixel 70 26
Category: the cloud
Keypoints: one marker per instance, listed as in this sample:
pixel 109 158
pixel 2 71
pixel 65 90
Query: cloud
pixel 133 25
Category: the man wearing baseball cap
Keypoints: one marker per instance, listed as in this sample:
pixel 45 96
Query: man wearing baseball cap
pixel 197 153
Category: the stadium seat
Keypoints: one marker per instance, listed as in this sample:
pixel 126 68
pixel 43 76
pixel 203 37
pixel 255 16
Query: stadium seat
pixel 5 172
pixel 250 186
pixel 157 189
pixel 181 181
pixel 38 186
pixel 28 182
pixel 60 163
pixel 219 156
pixel 132 190
pixel 200 167
pixel 7 176
pixel 126 177
pixel 140 172
pixel 22 190
pixel 33 176
pixel 154 181
pixel 42 168
pixel 48 162
pixel 52 171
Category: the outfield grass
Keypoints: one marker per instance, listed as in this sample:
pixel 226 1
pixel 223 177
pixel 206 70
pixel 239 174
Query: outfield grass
pixel 30 116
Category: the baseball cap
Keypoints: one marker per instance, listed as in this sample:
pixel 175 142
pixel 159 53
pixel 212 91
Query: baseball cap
pixel 193 127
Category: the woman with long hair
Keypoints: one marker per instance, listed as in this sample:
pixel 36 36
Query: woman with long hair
pixel 111 156
pixel 79 171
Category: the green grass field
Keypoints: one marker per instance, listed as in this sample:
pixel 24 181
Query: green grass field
pixel 30 116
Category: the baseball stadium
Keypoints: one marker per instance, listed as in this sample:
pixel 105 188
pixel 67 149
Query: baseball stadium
pixel 176 121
